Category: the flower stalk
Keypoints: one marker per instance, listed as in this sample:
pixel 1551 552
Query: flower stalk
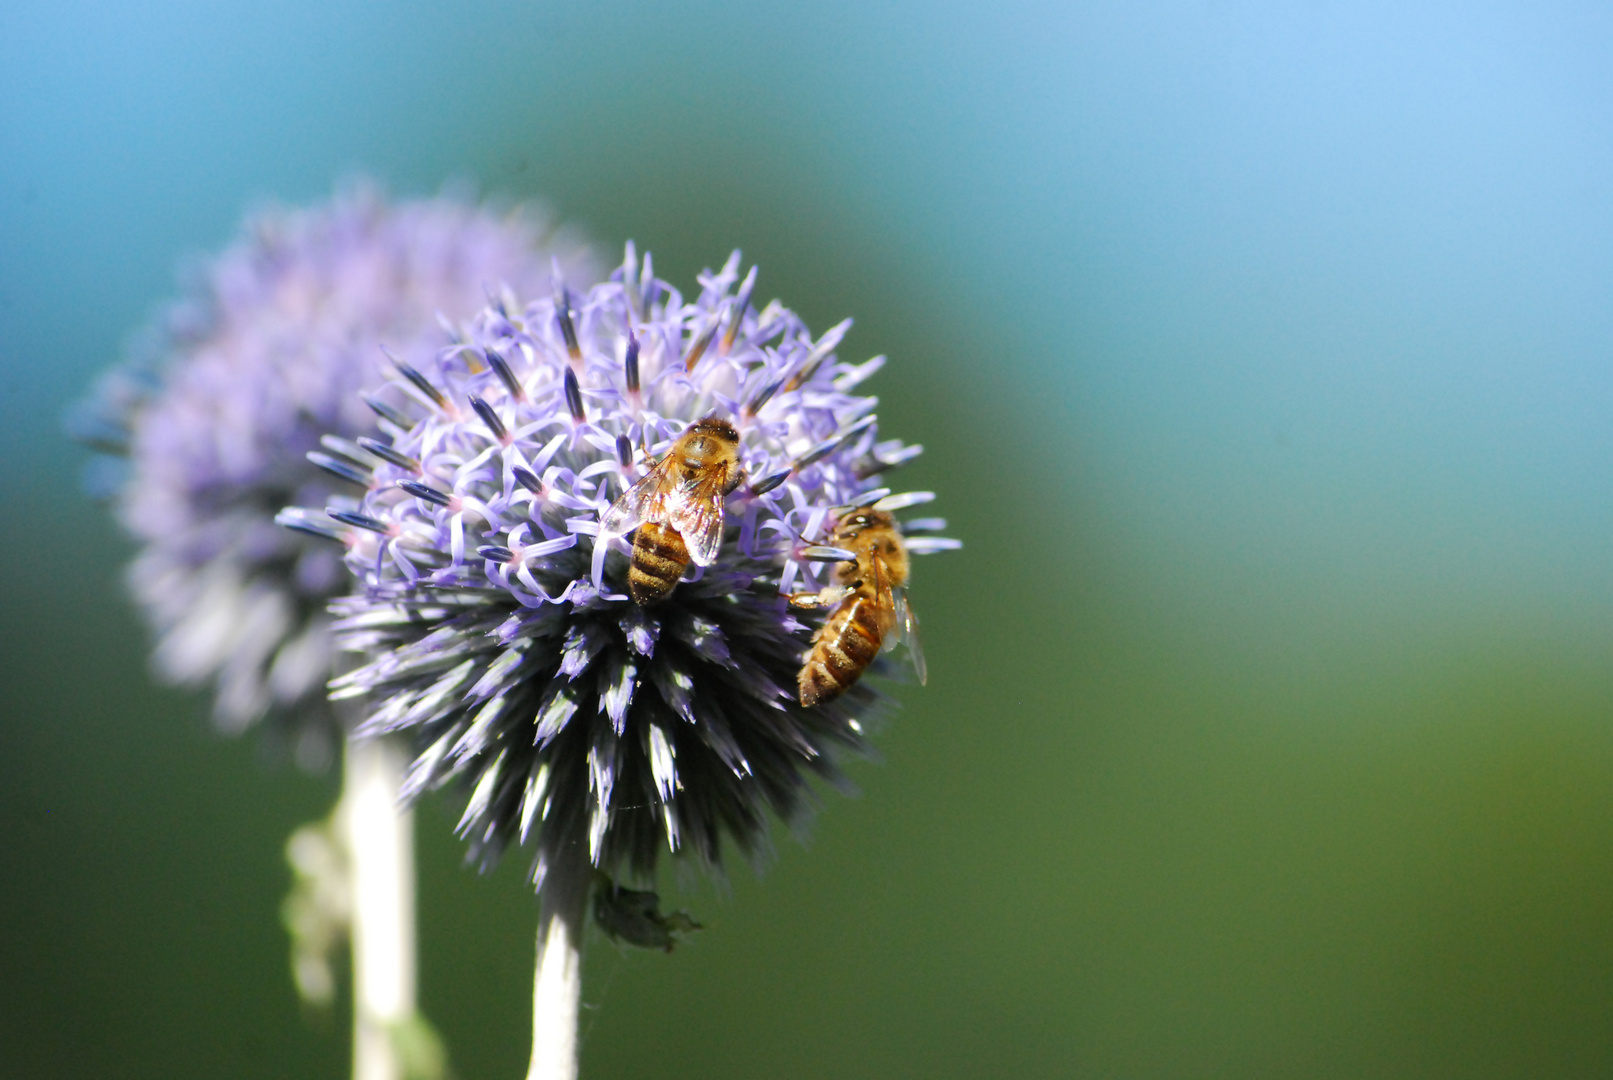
pixel 557 973
pixel 248 393
pixel 379 836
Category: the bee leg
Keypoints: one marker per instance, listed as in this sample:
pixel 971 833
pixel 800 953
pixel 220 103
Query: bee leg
pixel 823 598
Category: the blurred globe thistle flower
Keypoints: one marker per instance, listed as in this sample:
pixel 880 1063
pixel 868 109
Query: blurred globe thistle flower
pixel 208 429
pixel 218 423
pixel 496 619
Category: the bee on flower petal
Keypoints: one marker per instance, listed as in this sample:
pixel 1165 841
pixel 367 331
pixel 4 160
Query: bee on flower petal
pixel 678 508
pixel 871 613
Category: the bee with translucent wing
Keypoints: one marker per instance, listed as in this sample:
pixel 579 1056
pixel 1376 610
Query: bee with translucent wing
pixel 871 613
pixel 678 508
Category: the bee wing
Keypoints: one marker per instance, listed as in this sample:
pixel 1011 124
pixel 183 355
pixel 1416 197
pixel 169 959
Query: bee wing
pixel 638 503
pixel 907 627
pixel 899 614
pixel 889 605
pixel 697 515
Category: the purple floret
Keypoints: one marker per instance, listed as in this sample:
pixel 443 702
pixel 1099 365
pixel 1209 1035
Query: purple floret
pixel 270 350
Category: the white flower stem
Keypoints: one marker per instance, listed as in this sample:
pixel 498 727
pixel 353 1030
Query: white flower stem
pixel 557 977
pixel 380 842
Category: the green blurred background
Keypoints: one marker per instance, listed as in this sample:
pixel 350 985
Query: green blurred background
pixel 1261 354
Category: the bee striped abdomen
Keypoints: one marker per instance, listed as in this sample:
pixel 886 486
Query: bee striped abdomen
pixel 841 651
pixel 659 559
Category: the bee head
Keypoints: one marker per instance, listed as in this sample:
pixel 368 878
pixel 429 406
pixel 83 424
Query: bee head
pixel 863 519
pixel 715 427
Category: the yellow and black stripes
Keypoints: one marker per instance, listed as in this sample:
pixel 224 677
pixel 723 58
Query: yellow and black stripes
pixel 659 559
pixel 842 650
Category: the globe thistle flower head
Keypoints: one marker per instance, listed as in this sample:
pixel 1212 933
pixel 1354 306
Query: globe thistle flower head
pixel 496 614
pixel 271 349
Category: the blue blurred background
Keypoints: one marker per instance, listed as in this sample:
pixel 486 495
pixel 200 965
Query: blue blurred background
pixel 1262 356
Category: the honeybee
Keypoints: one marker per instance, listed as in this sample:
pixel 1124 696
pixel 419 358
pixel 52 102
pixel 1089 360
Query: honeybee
pixel 871 614
pixel 678 508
